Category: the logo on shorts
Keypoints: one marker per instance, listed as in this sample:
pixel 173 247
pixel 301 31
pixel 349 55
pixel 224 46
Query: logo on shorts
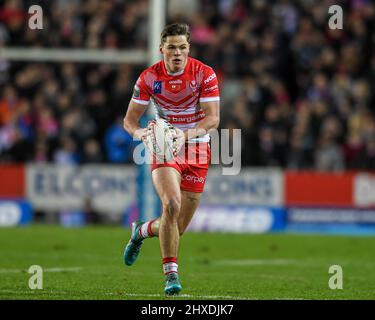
pixel 157 86
pixel 193 179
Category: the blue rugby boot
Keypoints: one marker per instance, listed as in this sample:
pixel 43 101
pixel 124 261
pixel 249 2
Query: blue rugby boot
pixel 172 284
pixel 133 247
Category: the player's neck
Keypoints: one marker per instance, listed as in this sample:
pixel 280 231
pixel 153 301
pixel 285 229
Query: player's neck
pixel 171 72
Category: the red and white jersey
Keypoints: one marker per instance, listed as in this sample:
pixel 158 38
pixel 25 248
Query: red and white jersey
pixel 176 96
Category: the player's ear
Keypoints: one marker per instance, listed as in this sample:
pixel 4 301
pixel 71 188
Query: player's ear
pixel 161 48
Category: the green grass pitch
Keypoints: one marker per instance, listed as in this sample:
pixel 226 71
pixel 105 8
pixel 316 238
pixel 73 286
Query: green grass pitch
pixel 87 263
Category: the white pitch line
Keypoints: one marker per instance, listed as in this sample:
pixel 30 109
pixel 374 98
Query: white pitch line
pixel 57 269
pixel 149 295
pixel 189 296
pixel 207 297
pixel 256 262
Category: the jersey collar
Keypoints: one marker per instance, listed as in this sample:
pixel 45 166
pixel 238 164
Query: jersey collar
pixel 175 74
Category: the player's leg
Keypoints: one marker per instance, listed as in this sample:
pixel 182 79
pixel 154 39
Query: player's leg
pixel 189 204
pixel 192 184
pixel 139 231
pixel 167 184
pixel 193 180
pixel 133 247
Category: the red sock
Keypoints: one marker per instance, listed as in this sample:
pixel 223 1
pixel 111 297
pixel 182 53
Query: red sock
pixel 170 265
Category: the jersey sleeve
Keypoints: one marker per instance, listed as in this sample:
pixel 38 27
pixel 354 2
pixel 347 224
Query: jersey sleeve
pixel 141 93
pixel 210 86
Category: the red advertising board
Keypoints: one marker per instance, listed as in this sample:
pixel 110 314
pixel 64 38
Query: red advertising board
pixel 12 181
pixel 318 189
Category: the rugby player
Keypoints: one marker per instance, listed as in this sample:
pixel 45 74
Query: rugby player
pixel 185 92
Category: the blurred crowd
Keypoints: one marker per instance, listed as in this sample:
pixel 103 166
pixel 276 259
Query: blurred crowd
pixel 302 94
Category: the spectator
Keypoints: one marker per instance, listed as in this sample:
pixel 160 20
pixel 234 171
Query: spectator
pixel 301 92
pixel 353 150
pixel 118 143
pixel 92 152
pixel 366 157
pixel 67 152
pixel 41 151
pixel 328 155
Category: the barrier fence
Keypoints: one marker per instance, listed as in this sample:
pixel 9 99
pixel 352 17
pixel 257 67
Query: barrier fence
pixel 256 200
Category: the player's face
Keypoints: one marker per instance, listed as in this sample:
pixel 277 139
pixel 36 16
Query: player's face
pixel 175 52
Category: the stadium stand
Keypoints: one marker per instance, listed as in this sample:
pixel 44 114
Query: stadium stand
pixel 303 95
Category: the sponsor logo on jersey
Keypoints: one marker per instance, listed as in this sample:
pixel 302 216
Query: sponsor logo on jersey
pixel 186 119
pixel 178 81
pixel 210 78
pixel 211 88
pixel 157 87
pixel 193 179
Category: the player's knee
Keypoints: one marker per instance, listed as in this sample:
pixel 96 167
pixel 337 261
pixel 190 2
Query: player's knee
pixel 181 230
pixel 172 206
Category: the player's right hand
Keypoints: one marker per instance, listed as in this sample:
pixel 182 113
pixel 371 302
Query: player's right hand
pixel 141 134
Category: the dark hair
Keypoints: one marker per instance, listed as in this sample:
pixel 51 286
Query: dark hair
pixel 175 29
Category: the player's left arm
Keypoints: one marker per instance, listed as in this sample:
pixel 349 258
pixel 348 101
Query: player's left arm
pixel 209 101
pixel 208 123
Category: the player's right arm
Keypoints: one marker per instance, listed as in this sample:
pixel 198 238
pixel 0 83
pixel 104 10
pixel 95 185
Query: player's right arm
pixel 137 107
pixel 131 120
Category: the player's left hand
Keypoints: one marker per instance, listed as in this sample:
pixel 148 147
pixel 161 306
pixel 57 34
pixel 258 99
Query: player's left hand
pixel 179 141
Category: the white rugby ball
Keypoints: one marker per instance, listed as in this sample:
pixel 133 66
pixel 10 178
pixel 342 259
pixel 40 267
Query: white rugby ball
pixel 162 140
